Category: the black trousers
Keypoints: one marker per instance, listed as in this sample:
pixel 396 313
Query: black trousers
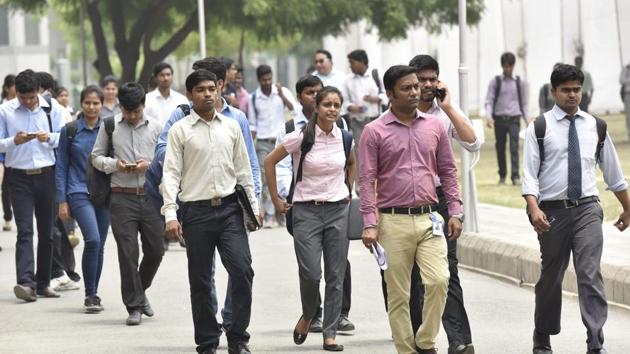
pixel 63 254
pixel 504 127
pixel 576 231
pixel 6 197
pixel 33 193
pixel 454 318
pixel 206 228
pixel 132 214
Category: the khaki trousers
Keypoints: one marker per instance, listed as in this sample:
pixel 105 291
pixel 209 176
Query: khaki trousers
pixel 407 239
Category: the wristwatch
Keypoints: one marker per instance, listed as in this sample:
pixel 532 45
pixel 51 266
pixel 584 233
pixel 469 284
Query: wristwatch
pixel 459 216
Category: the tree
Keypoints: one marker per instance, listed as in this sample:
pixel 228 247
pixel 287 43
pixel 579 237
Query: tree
pixel 145 32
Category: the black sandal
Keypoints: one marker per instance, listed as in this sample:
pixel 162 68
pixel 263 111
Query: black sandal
pixel 299 338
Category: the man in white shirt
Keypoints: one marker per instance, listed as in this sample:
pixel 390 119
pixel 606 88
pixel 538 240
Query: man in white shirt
pixel 560 187
pixel 208 146
pixel 325 72
pixel 162 101
pixel 266 115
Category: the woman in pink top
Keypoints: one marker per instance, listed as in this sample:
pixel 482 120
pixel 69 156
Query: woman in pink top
pixel 320 210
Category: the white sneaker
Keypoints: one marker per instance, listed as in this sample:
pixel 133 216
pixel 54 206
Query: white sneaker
pixel 70 285
pixel 56 283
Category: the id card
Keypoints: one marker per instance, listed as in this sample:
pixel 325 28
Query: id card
pixel 438 225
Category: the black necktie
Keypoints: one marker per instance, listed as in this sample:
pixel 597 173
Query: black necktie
pixel 574 189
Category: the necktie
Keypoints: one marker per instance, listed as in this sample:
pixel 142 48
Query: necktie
pixel 574 189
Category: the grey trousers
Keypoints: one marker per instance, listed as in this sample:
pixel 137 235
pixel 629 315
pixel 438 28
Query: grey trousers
pixel 579 231
pixel 321 229
pixel 263 148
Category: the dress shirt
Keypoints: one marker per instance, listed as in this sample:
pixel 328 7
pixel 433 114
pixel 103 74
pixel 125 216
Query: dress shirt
pixel 70 171
pixel 242 96
pixel 267 118
pixel 284 168
pixel 403 162
pixel 230 112
pixel 159 107
pixel 552 182
pixel 355 88
pixel 334 78
pixel 106 112
pixel 507 104
pixel 130 143
pixel 213 152
pixel 14 118
pixel 323 170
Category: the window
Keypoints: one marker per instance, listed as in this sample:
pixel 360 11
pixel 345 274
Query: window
pixel 31 30
pixel 4 26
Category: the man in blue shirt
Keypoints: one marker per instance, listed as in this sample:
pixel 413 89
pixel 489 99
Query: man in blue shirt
pixel 29 132
pixel 154 173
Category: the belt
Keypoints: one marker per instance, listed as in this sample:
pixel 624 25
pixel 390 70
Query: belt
pixel 268 140
pixel 506 117
pixel 124 190
pixel 214 202
pixel 33 171
pixel 316 202
pixel 566 204
pixel 423 209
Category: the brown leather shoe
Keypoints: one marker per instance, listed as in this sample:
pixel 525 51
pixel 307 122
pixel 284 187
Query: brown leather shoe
pixel 48 292
pixel 24 293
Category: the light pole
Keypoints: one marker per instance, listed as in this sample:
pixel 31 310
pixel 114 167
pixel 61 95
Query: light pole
pixel 202 28
pixel 469 194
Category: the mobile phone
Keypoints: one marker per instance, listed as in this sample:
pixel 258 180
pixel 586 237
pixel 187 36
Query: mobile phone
pixel 440 93
pixel 31 135
pixel 130 165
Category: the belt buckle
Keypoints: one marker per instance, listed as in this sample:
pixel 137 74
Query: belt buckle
pixel 138 192
pixel 409 211
pixel 318 203
pixel 216 202
pixel 35 171
pixel 569 204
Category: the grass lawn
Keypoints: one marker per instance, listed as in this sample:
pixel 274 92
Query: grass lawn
pixel 489 191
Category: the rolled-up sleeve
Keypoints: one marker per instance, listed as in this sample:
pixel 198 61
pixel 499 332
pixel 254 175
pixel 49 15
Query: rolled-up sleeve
pixel 368 168
pixel 611 168
pixel 531 163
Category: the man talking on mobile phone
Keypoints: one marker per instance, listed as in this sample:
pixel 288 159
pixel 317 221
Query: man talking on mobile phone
pixel 133 140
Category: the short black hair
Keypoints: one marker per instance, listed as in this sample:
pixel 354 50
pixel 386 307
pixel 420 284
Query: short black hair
pixel 27 81
pixel 213 65
pixel 131 95
pixel 161 66
pixel 198 76
pixel 508 58
pixel 46 81
pixel 307 81
pixel 107 80
pixel 395 73
pixel 92 89
pixel 425 62
pixel 325 52
pixel 263 70
pixel 359 55
pixel 565 72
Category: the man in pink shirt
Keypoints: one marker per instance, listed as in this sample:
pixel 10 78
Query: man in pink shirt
pixel 401 153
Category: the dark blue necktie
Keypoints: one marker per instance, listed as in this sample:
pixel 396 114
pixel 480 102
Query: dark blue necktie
pixel 574 189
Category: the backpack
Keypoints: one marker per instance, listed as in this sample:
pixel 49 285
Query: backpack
pixel 304 149
pixel 98 182
pixel 540 128
pixel 497 92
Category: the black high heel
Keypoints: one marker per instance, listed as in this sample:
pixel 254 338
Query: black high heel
pixel 299 338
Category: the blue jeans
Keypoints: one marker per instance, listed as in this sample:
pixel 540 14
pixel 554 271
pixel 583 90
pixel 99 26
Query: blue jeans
pixel 94 223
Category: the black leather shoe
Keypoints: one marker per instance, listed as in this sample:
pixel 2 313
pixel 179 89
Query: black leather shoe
pixel 456 348
pixel 239 348
pixel 299 338
pixel 135 318
pixel 344 324
pixel 316 325
pixel 48 292
pixel 146 308
pixel 212 350
pixel 427 351
pixel 597 351
pixel 333 347
pixel 24 293
pixel 542 344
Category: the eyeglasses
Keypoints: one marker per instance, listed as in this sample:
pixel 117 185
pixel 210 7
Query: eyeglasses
pixel 319 61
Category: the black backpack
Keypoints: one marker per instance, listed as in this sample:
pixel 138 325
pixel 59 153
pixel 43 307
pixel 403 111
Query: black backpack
pixel 497 92
pixel 98 182
pixel 540 128
pixel 304 149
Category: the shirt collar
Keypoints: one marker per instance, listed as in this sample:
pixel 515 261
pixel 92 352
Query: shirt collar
pixel 197 118
pixel 225 106
pixel 299 116
pixel 390 117
pixel 260 93
pixel 560 114
pixel 333 133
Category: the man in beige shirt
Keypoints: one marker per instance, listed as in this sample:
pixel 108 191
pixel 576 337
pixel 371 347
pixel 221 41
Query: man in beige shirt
pixel 133 140
pixel 208 146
